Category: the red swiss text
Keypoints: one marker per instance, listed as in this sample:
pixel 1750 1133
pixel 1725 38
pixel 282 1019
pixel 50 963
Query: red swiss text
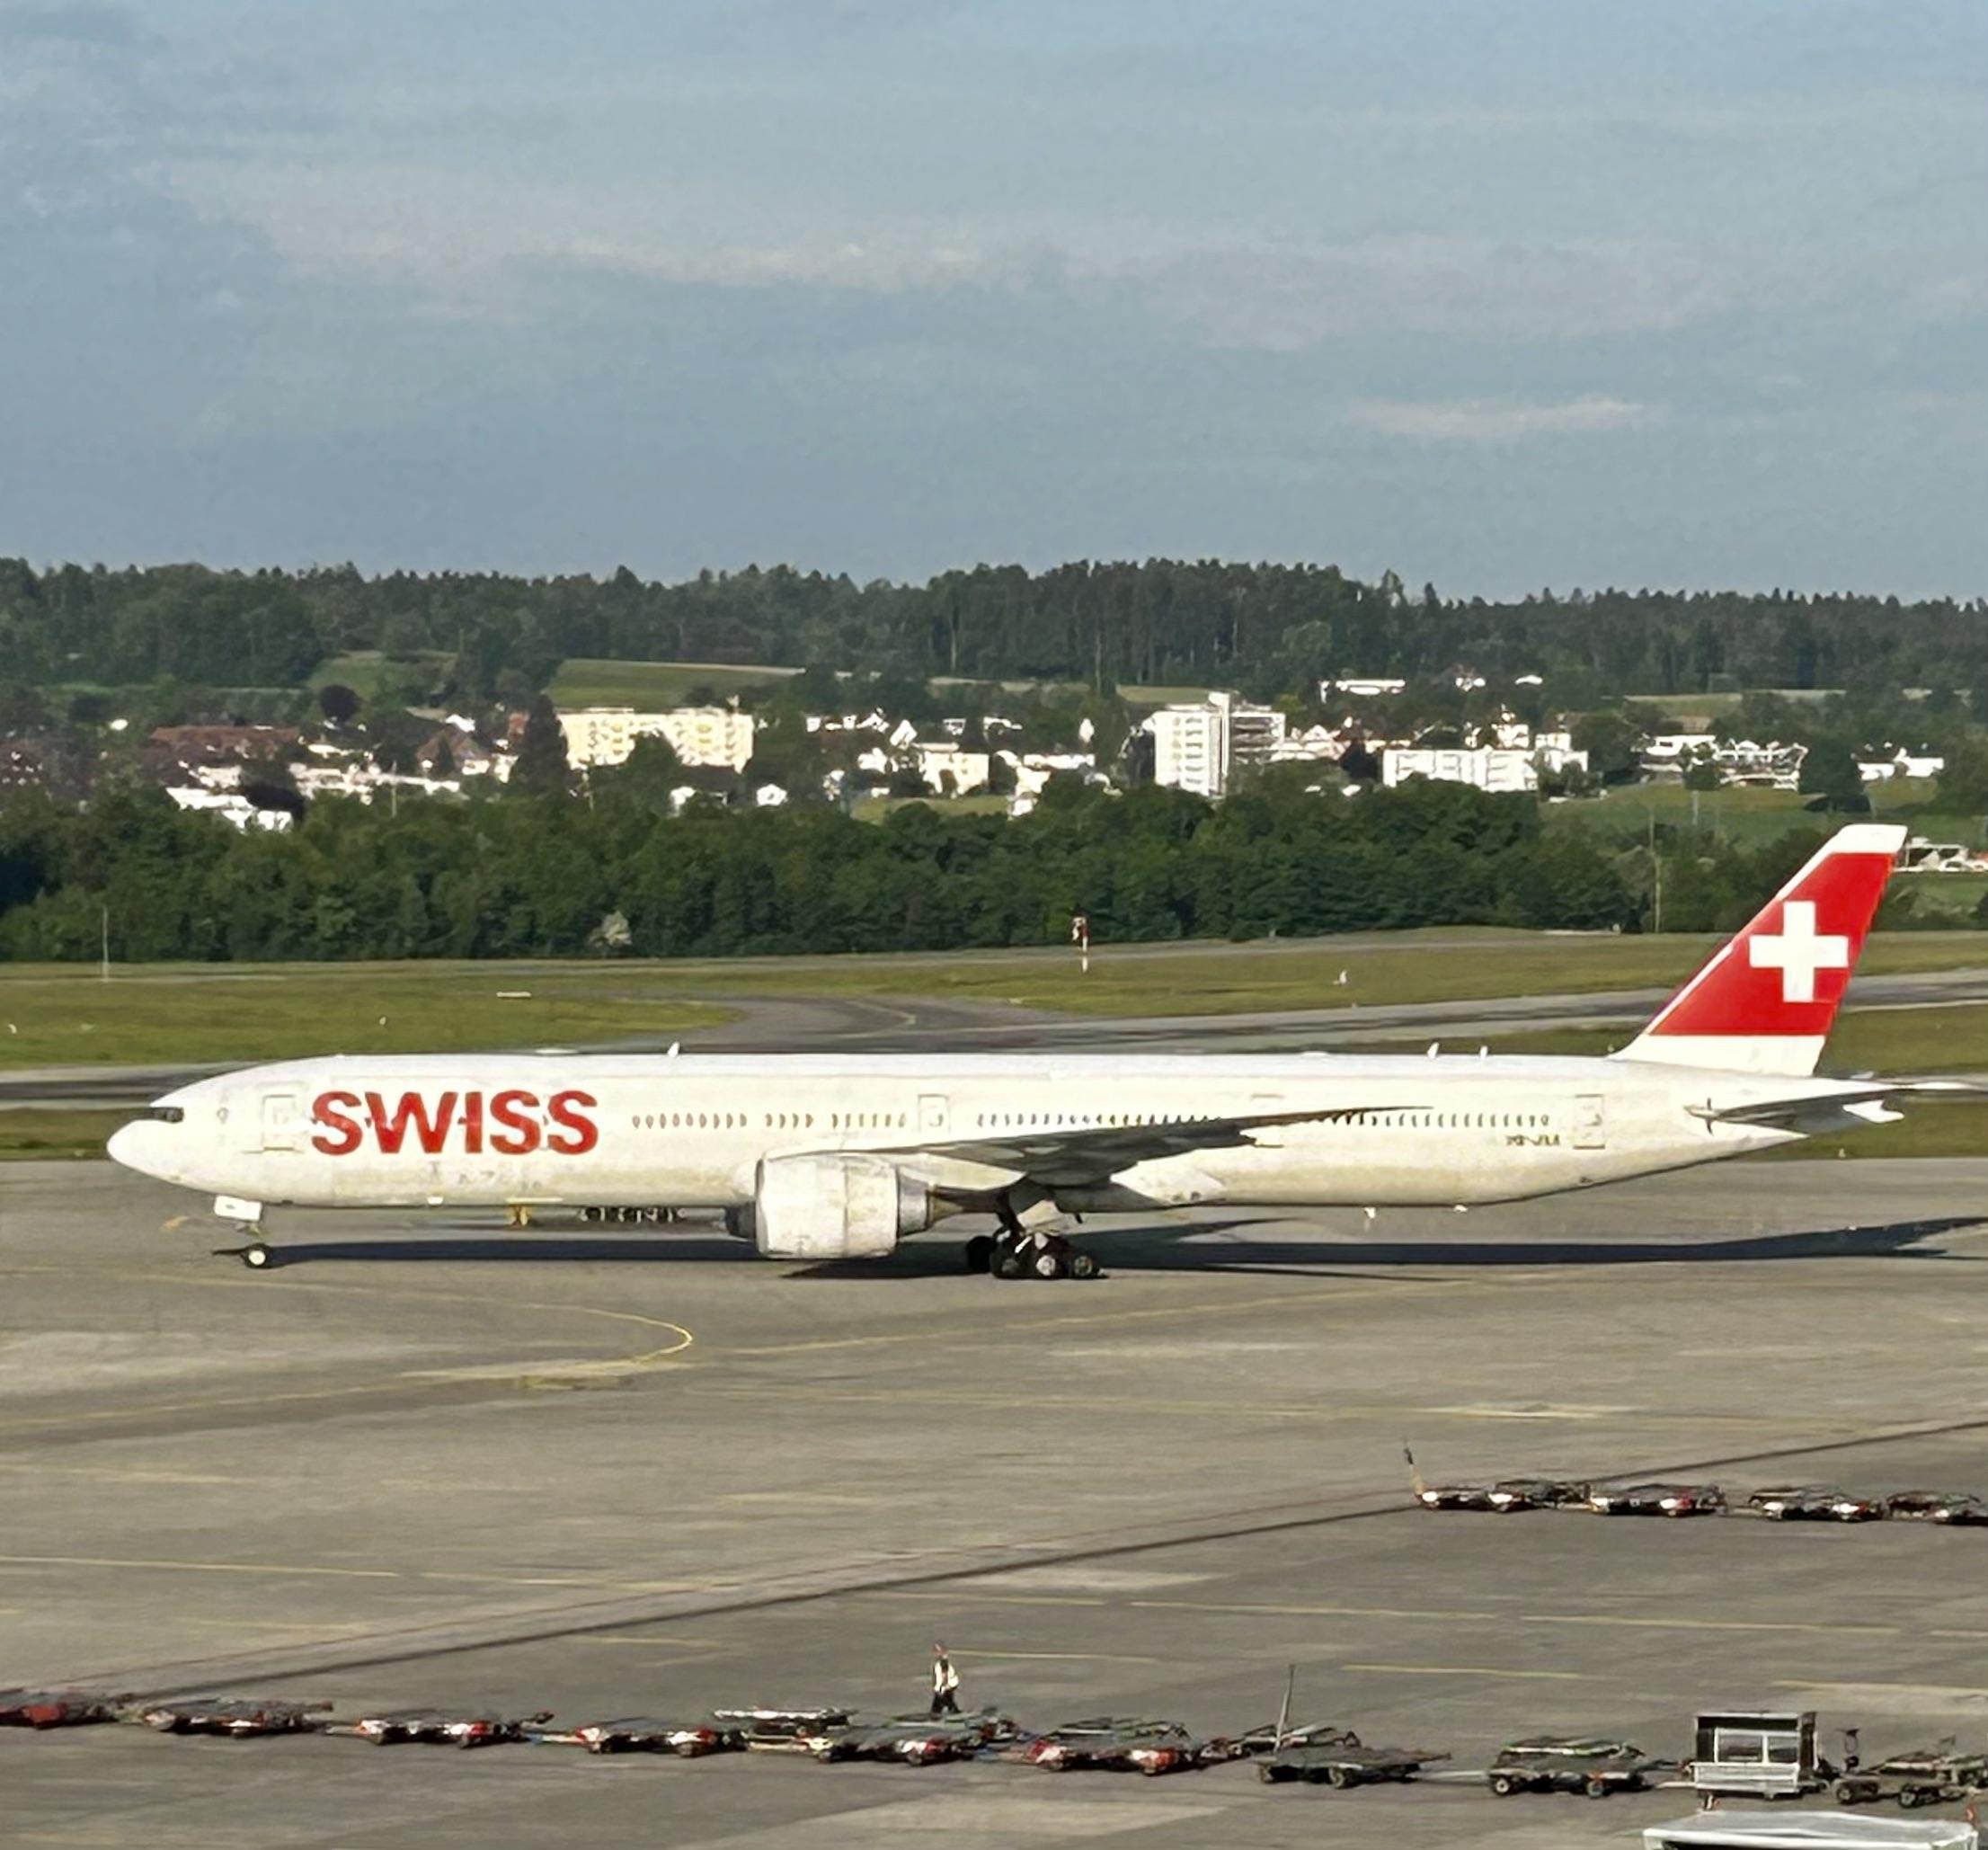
pixel 504 1123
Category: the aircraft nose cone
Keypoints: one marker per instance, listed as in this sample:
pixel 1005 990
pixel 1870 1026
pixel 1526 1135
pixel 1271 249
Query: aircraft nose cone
pixel 132 1146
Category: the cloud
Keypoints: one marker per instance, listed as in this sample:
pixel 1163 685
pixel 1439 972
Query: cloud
pixel 1498 420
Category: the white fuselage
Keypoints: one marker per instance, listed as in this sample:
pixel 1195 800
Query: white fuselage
pixel 693 1130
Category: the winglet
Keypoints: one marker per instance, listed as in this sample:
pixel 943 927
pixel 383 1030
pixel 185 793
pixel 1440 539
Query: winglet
pixel 1764 1000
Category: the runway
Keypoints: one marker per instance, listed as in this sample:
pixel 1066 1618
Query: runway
pixel 613 1473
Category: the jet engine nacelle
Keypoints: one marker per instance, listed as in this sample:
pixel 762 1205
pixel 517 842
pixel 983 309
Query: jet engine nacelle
pixel 836 1207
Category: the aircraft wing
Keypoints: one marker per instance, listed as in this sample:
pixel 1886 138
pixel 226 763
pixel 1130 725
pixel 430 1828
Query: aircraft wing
pixel 1075 1156
pixel 1789 1111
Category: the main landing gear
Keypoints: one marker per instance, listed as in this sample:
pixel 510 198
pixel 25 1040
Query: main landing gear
pixel 1019 1251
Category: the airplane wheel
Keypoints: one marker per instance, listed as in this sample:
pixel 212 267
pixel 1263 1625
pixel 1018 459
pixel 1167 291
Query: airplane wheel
pixel 1048 1263
pixel 980 1254
pixel 1007 1263
pixel 1084 1265
pixel 256 1256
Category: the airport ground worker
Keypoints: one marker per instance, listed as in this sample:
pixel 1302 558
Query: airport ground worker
pixel 945 1683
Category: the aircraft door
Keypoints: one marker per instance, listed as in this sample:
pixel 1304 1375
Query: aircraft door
pixel 1590 1124
pixel 932 1112
pixel 281 1124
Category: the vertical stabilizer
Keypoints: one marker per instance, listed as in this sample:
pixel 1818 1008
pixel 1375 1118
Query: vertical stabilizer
pixel 1764 1000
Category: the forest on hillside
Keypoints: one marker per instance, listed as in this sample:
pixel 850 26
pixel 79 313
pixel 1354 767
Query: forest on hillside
pixel 1264 628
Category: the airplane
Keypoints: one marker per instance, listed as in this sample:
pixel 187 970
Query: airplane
pixel 830 1157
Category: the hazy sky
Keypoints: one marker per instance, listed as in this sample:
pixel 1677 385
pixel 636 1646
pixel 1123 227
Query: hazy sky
pixel 1502 293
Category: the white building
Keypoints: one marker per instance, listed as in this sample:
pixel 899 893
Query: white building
pixel 1487 766
pixel 947 769
pixel 1362 686
pixel 1315 744
pixel 1199 747
pixel 230 806
pixel 1902 764
pixel 696 734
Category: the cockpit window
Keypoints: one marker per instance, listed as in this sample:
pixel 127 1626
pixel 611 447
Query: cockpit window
pixel 165 1114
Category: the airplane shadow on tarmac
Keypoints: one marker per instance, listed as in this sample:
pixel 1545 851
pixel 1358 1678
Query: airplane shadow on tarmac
pixel 1202 1246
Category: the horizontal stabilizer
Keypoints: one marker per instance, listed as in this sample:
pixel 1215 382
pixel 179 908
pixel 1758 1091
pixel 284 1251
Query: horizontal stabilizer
pixel 1790 1111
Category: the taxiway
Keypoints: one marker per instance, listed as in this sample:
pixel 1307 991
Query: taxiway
pixel 616 1472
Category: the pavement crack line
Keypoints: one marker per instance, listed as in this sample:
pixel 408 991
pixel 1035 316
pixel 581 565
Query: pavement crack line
pixel 594 1617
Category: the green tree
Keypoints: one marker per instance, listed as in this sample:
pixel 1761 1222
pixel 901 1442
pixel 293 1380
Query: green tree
pixel 1703 773
pixel 542 767
pixel 1610 741
pixel 1829 771
pixel 1963 781
pixel 646 778
pixel 338 703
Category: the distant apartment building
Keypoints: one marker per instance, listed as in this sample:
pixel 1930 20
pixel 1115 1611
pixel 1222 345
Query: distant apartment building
pixel 1200 746
pixel 1773 765
pixel 1363 685
pixel 231 806
pixel 948 768
pixel 1486 767
pixel 713 736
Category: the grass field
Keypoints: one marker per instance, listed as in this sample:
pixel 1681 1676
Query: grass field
pixel 66 1017
pixel 1454 963
pixel 586 681
pixel 63 1015
pixel 874 809
pixel 44 1136
pixel 361 669
pixel 1747 815
pixel 1699 710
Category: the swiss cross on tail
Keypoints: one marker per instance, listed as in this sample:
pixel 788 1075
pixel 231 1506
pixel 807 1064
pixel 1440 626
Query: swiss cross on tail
pixel 1764 1000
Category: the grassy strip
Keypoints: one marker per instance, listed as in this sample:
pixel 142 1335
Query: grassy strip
pixel 61 1014
pixel 140 1018
pixel 41 1137
pixel 1929 1128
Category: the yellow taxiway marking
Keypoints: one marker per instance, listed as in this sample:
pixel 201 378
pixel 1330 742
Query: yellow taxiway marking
pixel 526 1371
pixel 1346 1292
pixel 1062 1657
pixel 1675 1624
pixel 287 1569
pixel 989 1598
pixel 665 1640
pixel 716 1386
pixel 1470 1670
pixel 1443 1614
pixel 128 1474
pixel 196 1567
pixel 1312 1612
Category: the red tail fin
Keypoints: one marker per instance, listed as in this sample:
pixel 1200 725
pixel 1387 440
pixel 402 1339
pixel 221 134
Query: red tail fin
pixel 1764 1000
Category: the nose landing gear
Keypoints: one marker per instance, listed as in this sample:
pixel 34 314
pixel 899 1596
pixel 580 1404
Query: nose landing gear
pixel 257 1255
